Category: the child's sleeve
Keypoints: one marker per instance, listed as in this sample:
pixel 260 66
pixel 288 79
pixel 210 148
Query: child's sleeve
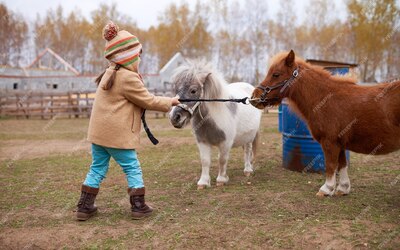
pixel 136 92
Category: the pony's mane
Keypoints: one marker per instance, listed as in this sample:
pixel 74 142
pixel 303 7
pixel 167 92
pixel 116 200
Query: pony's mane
pixel 320 70
pixel 202 72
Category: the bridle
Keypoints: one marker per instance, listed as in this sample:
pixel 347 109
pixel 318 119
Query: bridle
pixel 281 85
pixel 191 110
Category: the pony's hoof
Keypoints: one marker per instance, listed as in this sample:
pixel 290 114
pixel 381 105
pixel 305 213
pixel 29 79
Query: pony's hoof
pixel 247 174
pixel 321 194
pixel 340 193
pixel 220 184
pixel 201 187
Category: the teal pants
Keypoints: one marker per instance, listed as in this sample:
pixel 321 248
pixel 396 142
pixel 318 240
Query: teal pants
pixel 126 158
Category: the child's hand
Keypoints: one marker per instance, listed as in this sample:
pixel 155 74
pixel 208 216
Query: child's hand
pixel 175 101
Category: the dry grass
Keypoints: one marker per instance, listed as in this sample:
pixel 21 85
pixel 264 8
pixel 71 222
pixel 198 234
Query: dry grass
pixel 40 187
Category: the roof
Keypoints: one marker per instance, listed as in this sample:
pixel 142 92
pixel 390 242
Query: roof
pixel 48 51
pixel 331 64
pixel 175 58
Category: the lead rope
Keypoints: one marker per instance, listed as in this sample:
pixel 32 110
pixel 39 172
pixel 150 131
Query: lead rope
pixel 155 141
pixel 146 128
pixel 242 100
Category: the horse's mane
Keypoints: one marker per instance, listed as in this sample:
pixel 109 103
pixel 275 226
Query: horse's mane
pixel 318 69
pixel 202 72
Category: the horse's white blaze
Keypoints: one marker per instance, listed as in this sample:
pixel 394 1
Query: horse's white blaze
pixel 329 187
pixel 344 181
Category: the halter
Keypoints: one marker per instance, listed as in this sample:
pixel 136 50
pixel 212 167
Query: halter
pixel 282 85
pixel 191 110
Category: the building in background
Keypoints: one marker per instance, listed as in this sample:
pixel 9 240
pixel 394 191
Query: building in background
pixel 337 68
pixel 50 72
pixel 162 80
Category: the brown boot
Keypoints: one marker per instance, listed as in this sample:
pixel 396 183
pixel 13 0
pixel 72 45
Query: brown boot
pixel 86 207
pixel 139 207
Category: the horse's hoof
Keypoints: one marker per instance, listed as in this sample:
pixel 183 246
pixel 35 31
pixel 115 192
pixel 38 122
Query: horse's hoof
pixel 321 194
pixel 220 184
pixel 201 187
pixel 340 193
pixel 247 174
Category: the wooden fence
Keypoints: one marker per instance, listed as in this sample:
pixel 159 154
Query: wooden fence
pixel 47 105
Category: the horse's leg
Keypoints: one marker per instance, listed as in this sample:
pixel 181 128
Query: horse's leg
pixel 331 153
pixel 248 157
pixel 344 182
pixel 224 149
pixel 205 156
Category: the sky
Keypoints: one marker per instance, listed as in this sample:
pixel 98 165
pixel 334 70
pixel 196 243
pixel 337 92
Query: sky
pixel 144 12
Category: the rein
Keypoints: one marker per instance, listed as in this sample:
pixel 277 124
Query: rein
pixel 246 100
pixel 147 129
pixel 191 110
pixel 242 100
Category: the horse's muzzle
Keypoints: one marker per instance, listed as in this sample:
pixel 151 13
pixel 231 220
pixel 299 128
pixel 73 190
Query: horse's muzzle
pixel 256 100
pixel 178 117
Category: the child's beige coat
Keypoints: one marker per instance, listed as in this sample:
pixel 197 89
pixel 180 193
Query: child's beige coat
pixel 115 120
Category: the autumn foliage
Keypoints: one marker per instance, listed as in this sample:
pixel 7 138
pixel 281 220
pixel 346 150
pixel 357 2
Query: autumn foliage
pixel 237 37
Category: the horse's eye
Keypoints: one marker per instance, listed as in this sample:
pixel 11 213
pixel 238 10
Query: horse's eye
pixel 193 91
pixel 276 75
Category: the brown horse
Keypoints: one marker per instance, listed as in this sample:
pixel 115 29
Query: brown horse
pixel 340 114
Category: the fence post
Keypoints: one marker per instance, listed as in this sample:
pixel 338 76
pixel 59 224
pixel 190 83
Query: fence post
pixel 17 103
pixel 78 100
pixel 51 105
pixel 1 105
pixel 87 105
pixel 70 105
pixel 27 114
pixel 41 105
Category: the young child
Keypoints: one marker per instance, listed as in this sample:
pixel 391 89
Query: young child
pixel 115 122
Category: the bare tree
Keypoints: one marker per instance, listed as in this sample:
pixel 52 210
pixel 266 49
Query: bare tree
pixel 13 35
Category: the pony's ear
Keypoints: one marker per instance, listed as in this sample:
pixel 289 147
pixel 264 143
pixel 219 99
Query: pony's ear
pixel 206 78
pixel 208 75
pixel 289 61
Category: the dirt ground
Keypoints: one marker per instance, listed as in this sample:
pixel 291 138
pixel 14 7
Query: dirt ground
pixel 42 164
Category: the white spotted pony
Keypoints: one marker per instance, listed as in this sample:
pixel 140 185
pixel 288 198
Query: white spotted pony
pixel 224 125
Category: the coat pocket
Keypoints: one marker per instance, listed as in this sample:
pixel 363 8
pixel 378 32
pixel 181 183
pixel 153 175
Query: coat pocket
pixel 136 120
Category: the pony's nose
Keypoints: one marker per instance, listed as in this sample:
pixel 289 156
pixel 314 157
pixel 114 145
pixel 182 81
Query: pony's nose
pixel 177 117
pixel 254 101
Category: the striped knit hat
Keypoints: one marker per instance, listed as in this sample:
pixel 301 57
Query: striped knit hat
pixel 122 47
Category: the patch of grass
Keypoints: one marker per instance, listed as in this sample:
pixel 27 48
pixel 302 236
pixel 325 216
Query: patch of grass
pixel 277 209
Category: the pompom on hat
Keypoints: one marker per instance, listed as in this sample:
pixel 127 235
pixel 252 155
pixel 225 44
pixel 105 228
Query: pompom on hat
pixel 121 47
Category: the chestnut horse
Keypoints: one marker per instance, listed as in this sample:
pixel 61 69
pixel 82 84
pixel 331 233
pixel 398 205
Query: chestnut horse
pixel 339 113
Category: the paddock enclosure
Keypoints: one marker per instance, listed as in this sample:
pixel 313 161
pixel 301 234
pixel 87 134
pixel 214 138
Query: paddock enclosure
pixel 49 104
pixel 42 164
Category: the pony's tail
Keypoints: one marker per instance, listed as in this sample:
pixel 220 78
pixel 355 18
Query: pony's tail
pixel 255 146
pixel 110 81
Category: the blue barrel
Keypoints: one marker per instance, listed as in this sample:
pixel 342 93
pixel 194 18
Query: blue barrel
pixel 280 124
pixel 300 151
pixel 338 70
